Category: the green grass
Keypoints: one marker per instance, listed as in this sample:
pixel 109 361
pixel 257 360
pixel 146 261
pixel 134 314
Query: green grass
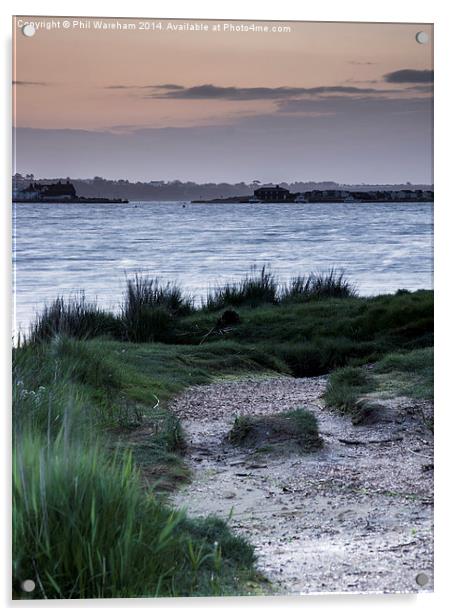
pixel 396 374
pixel 298 426
pixel 409 374
pixel 151 308
pixel 258 287
pixel 106 385
pixel 143 290
pixel 263 287
pixel 313 338
pixel 317 286
pixel 84 528
pixel 345 386
pixel 74 317
pixel 314 325
pixel 92 429
pixel 150 372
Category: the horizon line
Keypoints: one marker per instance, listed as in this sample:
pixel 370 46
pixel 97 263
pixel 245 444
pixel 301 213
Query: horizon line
pixel 232 183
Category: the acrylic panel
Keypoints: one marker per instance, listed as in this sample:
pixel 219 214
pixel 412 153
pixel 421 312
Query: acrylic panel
pixel 223 307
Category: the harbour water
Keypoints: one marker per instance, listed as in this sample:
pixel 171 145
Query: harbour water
pixel 61 249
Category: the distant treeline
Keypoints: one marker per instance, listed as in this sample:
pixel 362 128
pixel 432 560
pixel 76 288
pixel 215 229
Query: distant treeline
pixel 180 191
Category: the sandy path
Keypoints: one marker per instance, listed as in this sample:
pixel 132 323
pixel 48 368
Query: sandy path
pixel 354 518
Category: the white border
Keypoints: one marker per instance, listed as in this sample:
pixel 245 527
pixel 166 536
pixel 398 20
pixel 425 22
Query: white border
pixel 436 11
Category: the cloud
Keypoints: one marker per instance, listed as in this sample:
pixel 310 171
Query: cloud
pixel 408 75
pixel 286 93
pixel 422 88
pixel 212 92
pixel 363 81
pixel 30 83
pixel 167 86
pixel 163 86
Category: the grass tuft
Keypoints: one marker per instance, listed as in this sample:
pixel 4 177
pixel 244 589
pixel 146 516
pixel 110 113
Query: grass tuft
pixel 298 425
pixel 411 373
pixel 332 284
pixel 144 290
pixel 258 287
pixel 345 386
pixel 151 308
pixel 74 317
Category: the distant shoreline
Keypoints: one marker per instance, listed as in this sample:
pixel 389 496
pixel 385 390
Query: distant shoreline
pixel 277 194
pixel 89 201
pixel 325 201
pixel 78 200
pixel 175 190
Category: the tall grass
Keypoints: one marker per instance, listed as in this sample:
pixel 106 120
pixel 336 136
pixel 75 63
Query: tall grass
pixel 143 290
pixel 148 314
pixel 414 362
pixel 311 337
pixel 258 287
pixel 263 287
pixel 84 525
pixel 83 528
pixel 73 317
pixel 332 284
pixel 150 309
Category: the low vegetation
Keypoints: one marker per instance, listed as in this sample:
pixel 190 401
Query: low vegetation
pixel 73 317
pixel 315 337
pixel 96 448
pixel 409 374
pixel 313 325
pixel 151 310
pixel 396 374
pixel 256 288
pixel 345 386
pixel 317 286
pixel 84 528
pixel 91 429
pixel 298 427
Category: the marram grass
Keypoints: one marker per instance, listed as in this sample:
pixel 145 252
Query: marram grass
pixel 84 528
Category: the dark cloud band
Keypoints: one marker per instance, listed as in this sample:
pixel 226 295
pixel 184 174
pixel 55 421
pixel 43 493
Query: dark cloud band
pixel 212 92
pixel 30 83
pixel 408 75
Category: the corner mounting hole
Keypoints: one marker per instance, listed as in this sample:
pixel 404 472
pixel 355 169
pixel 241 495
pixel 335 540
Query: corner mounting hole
pixel 28 30
pixel 28 585
pixel 422 579
pixel 422 37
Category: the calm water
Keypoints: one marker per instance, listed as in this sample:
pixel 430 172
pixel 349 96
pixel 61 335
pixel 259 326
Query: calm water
pixel 64 248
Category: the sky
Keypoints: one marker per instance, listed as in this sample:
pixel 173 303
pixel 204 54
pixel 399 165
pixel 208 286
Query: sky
pixel 159 100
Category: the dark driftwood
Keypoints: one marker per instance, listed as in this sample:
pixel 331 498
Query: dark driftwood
pixel 347 441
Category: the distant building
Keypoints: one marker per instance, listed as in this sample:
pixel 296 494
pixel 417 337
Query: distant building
pixel 59 191
pixel 272 193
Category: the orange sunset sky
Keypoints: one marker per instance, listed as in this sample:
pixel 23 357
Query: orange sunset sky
pixel 324 101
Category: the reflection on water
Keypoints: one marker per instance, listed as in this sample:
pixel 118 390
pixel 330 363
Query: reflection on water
pixel 63 248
